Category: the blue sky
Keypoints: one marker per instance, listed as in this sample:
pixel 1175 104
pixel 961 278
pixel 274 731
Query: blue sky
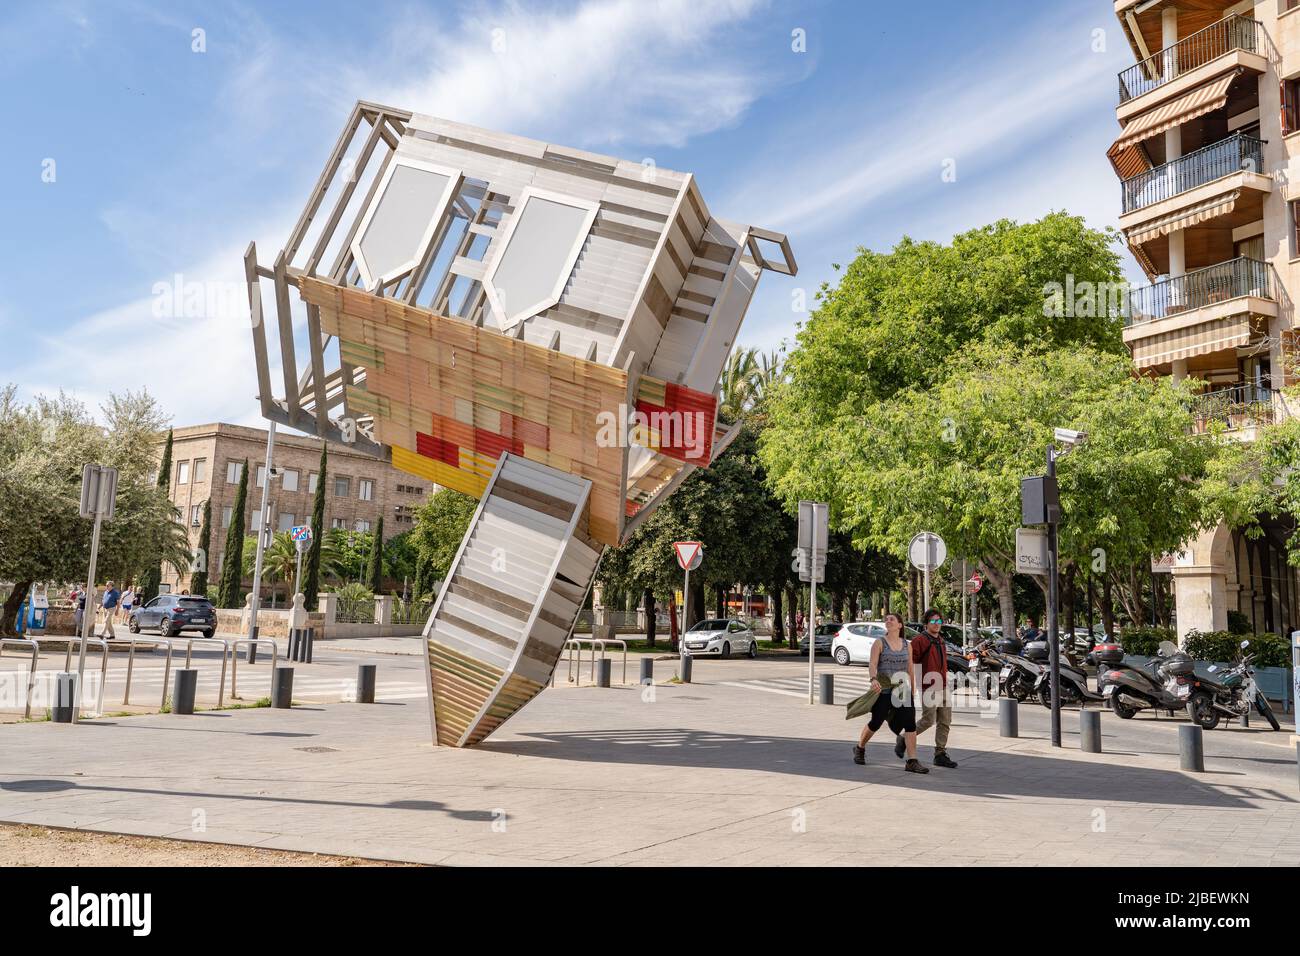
pixel 168 161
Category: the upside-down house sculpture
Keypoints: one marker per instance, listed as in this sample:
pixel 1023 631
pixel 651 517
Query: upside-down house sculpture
pixel 539 327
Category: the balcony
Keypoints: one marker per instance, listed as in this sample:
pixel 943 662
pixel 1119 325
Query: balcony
pixel 1213 310
pixel 1236 154
pixel 1236 407
pixel 1232 35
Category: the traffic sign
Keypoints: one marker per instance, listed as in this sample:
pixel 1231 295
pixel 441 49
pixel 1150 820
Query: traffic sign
pixel 1031 551
pixel 812 539
pixel 974 583
pixel 98 491
pixel 690 554
pixel 301 532
pixel 927 551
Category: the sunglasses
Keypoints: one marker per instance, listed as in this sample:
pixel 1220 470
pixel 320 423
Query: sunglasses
pixel 935 620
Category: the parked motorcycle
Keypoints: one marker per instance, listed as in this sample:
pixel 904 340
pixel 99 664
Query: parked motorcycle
pixel 1231 693
pixel 984 666
pixel 1073 679
pixel 1018 674
pixel 1129 689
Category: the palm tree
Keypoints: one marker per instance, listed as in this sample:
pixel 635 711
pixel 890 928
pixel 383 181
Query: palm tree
pixel 746 380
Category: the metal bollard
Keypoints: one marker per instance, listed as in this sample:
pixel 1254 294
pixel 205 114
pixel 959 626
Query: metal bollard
pixel 1008 717
pixel 1244 720
pixel 686 669
pixel 1090 731
pixel 311 639
pixel 826 688
pixel 1297 759
pixel 647 669
pixel 65 696
pixel 292 650
pixel 183 690
pixel 1191 748
pixel 366 683
pixel 282 687
pixel 603 667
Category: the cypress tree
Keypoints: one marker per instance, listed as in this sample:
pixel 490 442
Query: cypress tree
pixel 199 579
pixel 152 578
pixel 232 563
pixel 311 570
pixel 375 569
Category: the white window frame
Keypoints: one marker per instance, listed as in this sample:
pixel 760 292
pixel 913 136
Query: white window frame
pixel 365 489
pixel 284 479
pixel 453 185
pixel 505 321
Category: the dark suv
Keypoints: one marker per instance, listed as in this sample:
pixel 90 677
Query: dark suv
pixel 173 613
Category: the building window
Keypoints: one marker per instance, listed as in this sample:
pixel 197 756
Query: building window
pixel 338 523
pixel 232 472
pixel 290 479
pixel 312 480
pixel 200 470
pixel 1285 5
pixel 1290 100
pixel 342 486
pixel 196 515
pixel 226 514
pixel 366 489
pixel 261 475
pixel 286 520
pixel 361 525
pixel 1294 209
pixel 182 473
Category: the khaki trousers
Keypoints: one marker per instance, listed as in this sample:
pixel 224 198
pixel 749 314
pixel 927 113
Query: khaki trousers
pixel 936 711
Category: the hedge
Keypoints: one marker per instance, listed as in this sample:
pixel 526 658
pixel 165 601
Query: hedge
pixel 1270 650
pixel 1144 641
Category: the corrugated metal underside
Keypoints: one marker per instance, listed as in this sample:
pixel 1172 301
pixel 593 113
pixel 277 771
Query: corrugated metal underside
pixel 509 601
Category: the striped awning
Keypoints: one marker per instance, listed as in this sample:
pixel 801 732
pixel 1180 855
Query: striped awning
pixel 1129 161
pixel 1201 339
pixel 1144 260
pixel 1204 99
pixel 1163 225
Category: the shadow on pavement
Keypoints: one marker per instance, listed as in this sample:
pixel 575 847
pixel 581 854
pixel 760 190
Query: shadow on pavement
pixel 993 774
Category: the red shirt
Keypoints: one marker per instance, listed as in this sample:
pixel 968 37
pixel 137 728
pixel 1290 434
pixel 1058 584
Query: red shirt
pixel 931 653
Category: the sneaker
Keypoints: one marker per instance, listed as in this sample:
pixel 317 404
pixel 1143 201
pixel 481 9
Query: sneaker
pixel 915 766
pixel 900 748
pixel 941 759
pixel 859 754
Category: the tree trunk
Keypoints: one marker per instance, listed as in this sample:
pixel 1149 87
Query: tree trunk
pixel 791 611
pixel 695 602
pixel 1006 598
pixel 648 600
pixel 1107 612
pixel 720 600
pixel 913 614
pixel 853 606
pixel 1070 571
pixel 778 625
pixel 837 605
pixel 9 616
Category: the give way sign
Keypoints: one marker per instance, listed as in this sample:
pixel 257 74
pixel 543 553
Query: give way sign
pixel 689 554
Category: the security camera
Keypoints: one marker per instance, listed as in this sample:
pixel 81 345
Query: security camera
pixel 1069 437
pixel 275 472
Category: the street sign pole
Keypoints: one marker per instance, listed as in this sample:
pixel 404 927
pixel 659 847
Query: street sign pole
pixel 812 614
pixel 813 541
pixel 1054 645
pixel 98 489
pixel 297 574
pixel 261 543
pixel 88 617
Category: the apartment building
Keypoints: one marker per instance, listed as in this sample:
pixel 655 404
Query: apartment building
pixel 1209 162
pixel 207 461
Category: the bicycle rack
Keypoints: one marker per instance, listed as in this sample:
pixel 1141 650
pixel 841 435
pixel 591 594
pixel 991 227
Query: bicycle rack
pixel 595 643
pixel 225 653
pixel 31 678
pixel 252 642
pixel 103 677
pixel 130 667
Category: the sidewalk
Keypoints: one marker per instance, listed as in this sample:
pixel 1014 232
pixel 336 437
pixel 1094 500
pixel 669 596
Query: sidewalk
pixel 706 773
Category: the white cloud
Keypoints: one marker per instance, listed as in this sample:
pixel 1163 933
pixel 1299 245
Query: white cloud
pixel 611 71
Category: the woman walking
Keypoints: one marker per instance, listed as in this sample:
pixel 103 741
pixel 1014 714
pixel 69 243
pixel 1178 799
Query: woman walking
pixel 890 657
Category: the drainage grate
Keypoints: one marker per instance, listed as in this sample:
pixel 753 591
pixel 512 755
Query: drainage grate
pixel 317 750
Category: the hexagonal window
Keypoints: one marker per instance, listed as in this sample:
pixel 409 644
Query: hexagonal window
pixel 400 223
pixel 532 263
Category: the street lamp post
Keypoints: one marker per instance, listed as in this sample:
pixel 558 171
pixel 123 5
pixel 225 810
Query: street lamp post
pixel 1054 644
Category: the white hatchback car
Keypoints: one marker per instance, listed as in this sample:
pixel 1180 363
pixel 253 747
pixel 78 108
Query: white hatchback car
pixel 721 636
pixel 852 645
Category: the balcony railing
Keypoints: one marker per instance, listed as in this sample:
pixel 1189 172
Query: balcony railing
pixel 1195 290
pixel 1236 406
pixel 1231 33
pixel 1197 168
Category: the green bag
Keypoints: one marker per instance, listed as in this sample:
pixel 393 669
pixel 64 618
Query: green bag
pixel 861 705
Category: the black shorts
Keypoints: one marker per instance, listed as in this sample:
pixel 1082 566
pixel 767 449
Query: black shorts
pixel 901 717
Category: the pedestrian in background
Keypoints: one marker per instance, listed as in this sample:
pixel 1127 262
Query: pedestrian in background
pixel 78 598
pixel 127 602
pixel 111 598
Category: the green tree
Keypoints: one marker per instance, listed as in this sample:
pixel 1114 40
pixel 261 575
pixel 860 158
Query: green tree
pixel 199 580
pixel 43 446
pixel 311 570
pixel 375 561
pixel 229 590
pixel 440 524
pixel 152 578
pixel 1260 478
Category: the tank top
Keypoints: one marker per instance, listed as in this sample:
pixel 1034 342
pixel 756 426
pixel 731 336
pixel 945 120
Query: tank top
pixel 894 661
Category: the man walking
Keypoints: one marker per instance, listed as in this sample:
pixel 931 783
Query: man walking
pixel 930 651
pixel 111 597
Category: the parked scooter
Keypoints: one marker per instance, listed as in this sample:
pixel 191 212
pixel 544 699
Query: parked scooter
pixel 1073 679
pixel 1018 675
pixel 984 666
pixel 1231 693
pixel 1129 689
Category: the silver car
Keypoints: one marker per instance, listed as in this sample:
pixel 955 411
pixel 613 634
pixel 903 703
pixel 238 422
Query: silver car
pixel 824 635
pixel 720 637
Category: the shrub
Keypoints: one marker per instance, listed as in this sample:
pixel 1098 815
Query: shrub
pixel 1144 641
pixel 1270 650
